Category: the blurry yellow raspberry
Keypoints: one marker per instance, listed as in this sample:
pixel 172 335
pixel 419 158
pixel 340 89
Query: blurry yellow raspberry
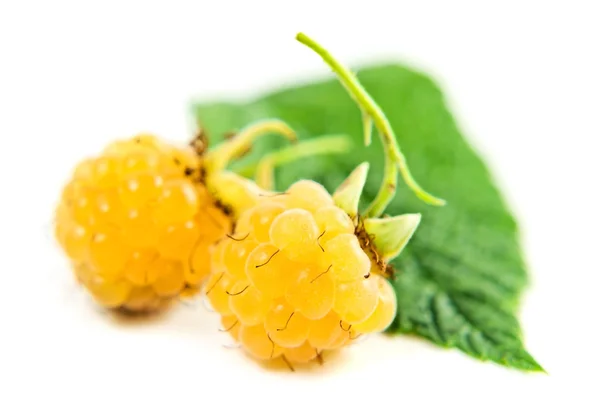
pixel 136 225
pixel 295 279
pixel 139 221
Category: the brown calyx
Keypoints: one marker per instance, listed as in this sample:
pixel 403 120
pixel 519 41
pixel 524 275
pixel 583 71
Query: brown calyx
pixel 227 210
pixel 366 243
pixel 200 145
pixel 200 142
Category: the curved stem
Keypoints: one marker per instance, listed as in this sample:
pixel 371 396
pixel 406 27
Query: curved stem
pixel 220 157
pixel 372 111
pixel 263 170
pixel 386 191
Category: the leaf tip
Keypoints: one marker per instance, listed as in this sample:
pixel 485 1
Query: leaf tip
pixel 536 367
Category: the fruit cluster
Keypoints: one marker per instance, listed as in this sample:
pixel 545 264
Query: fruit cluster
pixel 291 274
pixel 293 279
pixel 135 224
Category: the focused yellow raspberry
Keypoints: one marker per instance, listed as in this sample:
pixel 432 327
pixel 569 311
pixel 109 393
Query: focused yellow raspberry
pixel 297 275
pixel 312 272
pixel 132 222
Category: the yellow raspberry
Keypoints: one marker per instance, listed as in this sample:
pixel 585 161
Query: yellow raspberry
pixel 298 277
pixel 136 226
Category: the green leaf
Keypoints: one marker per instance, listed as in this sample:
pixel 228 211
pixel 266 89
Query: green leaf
pixel 460 277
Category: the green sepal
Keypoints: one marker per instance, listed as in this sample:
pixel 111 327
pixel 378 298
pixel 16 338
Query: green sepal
pixel 347 195
pixel 391 234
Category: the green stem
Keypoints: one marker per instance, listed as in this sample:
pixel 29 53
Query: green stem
pixel 221 156
pixel 264 168
pixel 395 160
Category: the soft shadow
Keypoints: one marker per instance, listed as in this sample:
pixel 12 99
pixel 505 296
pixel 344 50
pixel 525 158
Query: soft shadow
pixel 126 318
pixel 327 362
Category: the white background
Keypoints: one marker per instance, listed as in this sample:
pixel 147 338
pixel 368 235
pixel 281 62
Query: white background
pixel 522 79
